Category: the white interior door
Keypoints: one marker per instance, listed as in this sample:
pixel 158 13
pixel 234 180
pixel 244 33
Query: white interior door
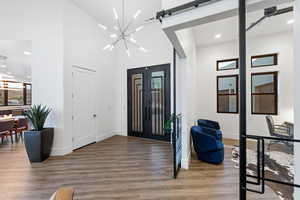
pixel 84 108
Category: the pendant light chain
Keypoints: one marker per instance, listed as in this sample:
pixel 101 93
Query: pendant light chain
pixel 123 12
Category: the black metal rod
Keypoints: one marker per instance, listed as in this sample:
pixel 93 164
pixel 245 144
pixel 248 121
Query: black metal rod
pixel 252 182
pixel 272 138
pixel 275 181
pixel 258 161
pixel 258 165
pixel 243 106
pixel 260 175
pixel 263 179
pixel 285 10
pixel 257 22
pixel 255 191
pixel 282 183
pixel 174 115
pixel 277 12
pixel 263 166
pixel 181 8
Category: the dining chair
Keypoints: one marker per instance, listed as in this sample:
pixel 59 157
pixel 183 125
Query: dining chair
pixel 6 129
pixel 21 126
pixel 285 131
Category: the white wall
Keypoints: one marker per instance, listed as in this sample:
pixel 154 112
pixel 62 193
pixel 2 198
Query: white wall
pixel 187 87
pixel 160 51
pixel 83 43
pixel 282 44
pixel 40 22
pixel 62 35
pixel 297 94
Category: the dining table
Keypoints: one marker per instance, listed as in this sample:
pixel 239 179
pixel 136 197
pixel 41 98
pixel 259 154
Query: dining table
pixel 14 118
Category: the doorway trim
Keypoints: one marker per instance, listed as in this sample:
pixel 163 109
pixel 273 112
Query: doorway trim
pixel 167 100
pixel 90 71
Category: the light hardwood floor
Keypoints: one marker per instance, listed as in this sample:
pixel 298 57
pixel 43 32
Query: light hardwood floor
pixel 117 168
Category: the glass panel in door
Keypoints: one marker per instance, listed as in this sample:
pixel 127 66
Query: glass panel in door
pixel 137 103
pixel 157 102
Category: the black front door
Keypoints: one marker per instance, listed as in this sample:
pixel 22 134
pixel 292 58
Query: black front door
pixel 149 101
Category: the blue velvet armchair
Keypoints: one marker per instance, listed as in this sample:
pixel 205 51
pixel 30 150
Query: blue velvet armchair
pixel 209 124
pixel 212 128
pixel 208 144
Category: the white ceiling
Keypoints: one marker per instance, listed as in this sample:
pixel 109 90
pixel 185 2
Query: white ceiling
pixel 102 11
pixel 17 63
pixel 228 28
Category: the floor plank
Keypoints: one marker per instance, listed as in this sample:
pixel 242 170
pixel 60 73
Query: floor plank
pixel 117 168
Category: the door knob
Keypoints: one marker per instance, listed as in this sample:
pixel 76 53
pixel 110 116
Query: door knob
pixel 94 115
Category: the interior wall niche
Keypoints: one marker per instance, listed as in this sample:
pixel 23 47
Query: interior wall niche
pixel 15 73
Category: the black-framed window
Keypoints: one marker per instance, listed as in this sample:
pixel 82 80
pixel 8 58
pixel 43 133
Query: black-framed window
pixel 2 94
pixel 264 94
pixel 27 94
pixel 15 93
pixel 227 64
pixel 227 94
pixel 264 60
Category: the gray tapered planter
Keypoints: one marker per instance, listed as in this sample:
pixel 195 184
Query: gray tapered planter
pixel 38 144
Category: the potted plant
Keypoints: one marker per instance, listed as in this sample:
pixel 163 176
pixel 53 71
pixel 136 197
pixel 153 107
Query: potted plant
pixel 39 140
pixel 168 125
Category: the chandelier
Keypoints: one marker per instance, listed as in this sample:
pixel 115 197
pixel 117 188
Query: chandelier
pixel 123 32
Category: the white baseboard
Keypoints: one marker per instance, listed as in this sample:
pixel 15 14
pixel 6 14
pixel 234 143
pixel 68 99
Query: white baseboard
pixel 185 162
pixel 67 150
pixel 121 133
pixel 104 137
pixel 234 136
pixel 61 151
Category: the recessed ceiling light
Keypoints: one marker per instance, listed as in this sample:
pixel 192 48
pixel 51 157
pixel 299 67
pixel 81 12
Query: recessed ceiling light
pixel 291 21
pixel 217 36
pixel 27 53
pixel 3 66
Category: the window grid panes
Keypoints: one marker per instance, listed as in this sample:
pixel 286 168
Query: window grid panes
pixel 264 60
pixel 2 94
pixel 227 94
pixel 227 64
pixel 264 93
pixel 28 94
pixel 15 93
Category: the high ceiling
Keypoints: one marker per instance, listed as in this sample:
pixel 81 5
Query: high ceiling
pixel 102 11
pixel 228 28
pixel 205 34
pixel 17 66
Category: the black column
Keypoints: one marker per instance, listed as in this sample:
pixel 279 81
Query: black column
pixel 243 105
pixel 174 114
